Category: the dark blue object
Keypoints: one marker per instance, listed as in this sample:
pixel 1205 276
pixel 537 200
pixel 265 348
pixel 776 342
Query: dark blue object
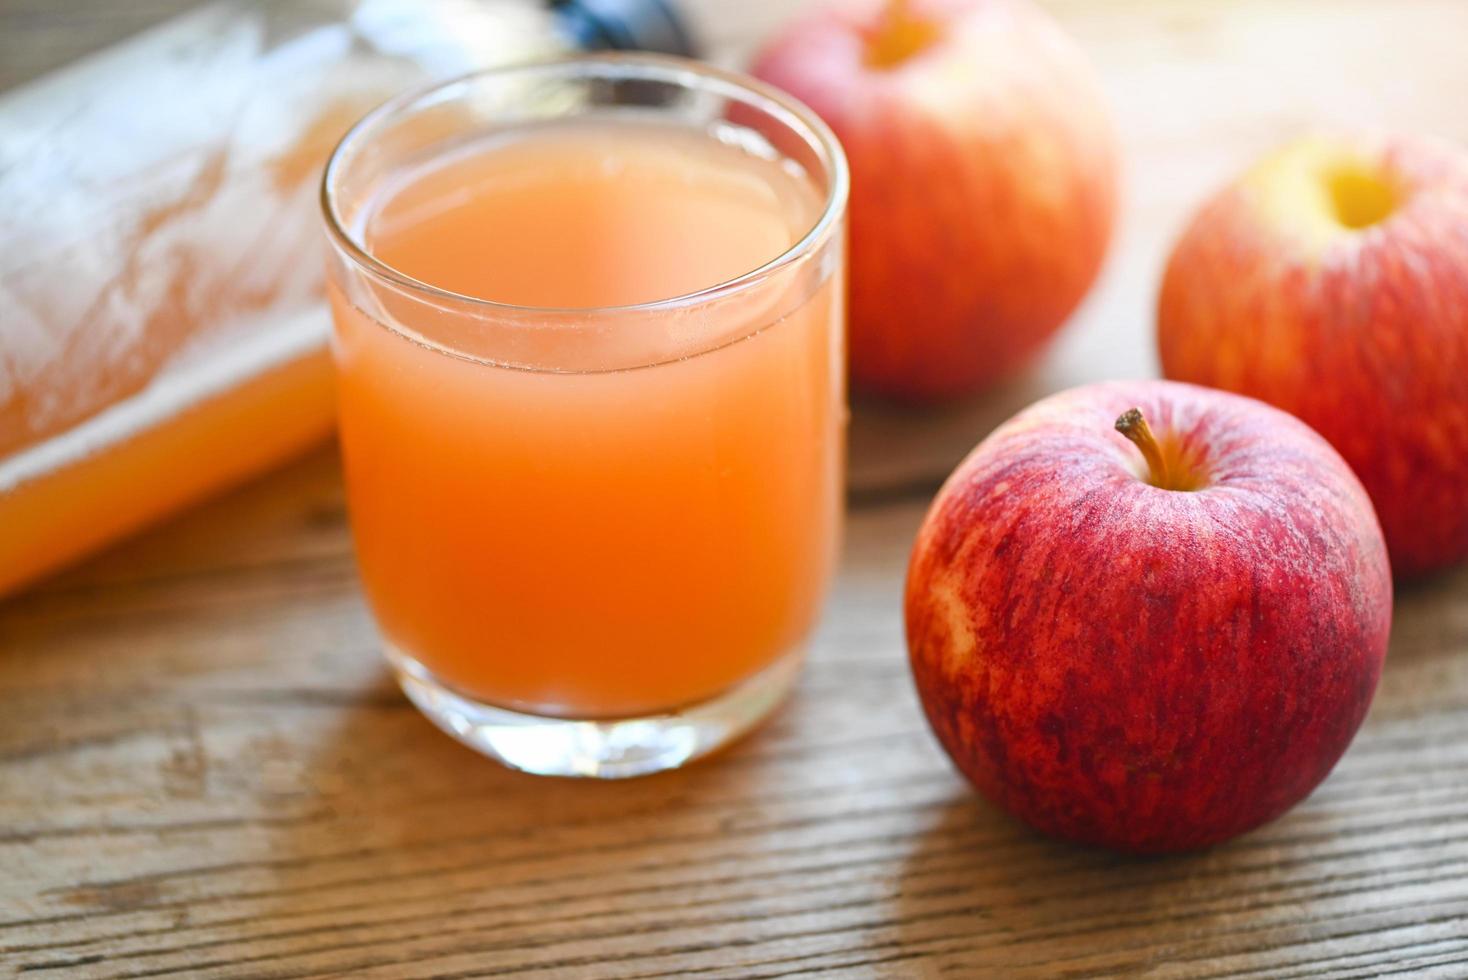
pixel 640 25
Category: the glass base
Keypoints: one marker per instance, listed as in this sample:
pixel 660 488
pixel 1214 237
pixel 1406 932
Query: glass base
pixel 609 749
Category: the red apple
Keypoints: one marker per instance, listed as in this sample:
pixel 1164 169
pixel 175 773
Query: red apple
pixel 1151 647
pixel 1332 281
pixel 983 181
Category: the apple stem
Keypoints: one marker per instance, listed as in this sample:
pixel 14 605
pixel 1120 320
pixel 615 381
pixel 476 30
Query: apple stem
pixel 1133 425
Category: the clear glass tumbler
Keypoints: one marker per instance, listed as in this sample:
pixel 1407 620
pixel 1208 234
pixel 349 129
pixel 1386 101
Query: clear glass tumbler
pixel 589 330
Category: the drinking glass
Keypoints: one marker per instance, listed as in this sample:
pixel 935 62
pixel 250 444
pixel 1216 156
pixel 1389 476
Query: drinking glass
pixel 595 538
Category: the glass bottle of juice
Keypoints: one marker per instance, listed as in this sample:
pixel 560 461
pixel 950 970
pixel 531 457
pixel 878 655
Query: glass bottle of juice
pixel 162 329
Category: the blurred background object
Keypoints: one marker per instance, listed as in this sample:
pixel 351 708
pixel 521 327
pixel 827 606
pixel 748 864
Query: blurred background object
pixel 163 332
pixel 984 173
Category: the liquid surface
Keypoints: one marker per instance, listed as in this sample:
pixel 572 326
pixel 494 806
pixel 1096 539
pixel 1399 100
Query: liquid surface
pixel 580 540
pixel 600 214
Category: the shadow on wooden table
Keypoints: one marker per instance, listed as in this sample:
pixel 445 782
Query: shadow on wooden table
pixel 1429 620
pixel 893 447
pixel 387 766
pixel 1012 903
pixel 425 850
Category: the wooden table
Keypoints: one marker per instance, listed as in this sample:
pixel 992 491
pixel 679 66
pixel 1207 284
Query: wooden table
pixel 206 771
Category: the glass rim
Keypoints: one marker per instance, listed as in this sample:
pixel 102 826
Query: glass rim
pixel 616 66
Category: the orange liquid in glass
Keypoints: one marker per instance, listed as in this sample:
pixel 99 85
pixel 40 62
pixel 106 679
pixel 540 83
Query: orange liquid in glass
pixel 649 526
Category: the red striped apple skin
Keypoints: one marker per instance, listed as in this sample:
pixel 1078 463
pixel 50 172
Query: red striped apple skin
pixel 1361 332
pixel 984 172
pixel 1146 669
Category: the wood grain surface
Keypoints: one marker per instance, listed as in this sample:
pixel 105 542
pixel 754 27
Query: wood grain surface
pixel 205 771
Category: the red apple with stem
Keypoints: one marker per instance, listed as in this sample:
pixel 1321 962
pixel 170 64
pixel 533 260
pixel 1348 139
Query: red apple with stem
pixel 1148 615
pixel 1332 281
pixel 983 181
